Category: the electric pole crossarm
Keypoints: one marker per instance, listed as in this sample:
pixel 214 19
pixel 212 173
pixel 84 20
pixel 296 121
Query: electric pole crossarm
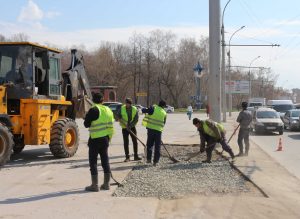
pixel 272 45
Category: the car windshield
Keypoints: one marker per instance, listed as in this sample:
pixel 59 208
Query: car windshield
pixel 267 114
pixel 283 107
pixel 255 104
pixel 15 64
pixel 295 113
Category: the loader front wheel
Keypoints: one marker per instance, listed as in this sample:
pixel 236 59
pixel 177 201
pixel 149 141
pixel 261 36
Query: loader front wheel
pixel 6 144
pixel 64 138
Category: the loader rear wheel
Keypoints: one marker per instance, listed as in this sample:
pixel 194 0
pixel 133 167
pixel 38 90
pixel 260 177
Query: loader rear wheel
pixel 64 138
pixel 6 144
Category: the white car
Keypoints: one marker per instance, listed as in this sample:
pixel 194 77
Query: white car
pixel 169 109
pixel 266 120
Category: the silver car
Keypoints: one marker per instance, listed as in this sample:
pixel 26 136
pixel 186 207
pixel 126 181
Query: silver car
pixel 266 120
pixel 291 119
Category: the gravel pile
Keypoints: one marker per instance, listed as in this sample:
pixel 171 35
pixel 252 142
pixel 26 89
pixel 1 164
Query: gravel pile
pixel 168 180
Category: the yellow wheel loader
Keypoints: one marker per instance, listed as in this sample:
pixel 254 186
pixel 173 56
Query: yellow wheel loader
pixel 38 102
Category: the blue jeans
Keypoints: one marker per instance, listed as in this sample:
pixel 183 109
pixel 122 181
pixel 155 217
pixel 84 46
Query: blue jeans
pixel 189 115
pixel 154 138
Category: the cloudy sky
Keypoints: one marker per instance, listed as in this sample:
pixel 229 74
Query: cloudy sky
pixel 72 22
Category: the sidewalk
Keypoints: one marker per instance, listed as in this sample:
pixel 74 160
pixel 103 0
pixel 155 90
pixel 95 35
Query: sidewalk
pixel 55 188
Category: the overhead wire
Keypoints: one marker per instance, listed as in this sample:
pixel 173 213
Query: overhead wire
pixel 274 54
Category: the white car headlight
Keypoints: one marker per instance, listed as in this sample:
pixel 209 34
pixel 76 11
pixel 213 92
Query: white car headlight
pixel 294 121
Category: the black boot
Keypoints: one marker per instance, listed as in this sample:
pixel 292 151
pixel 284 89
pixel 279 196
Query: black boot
pixel 106 185
pixel 136 157
pixel 127 159
pixel 94 187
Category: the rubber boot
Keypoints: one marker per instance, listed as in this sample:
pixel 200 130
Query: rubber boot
pixel 106 185
pixel 94 187
pixel 208 159
pixel 136 157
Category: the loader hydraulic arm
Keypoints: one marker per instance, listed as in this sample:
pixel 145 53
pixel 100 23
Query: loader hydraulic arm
pixel 76 87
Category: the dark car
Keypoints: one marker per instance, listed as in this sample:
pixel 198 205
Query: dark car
pixel 291 119
pixel 114 106
pixel 139 107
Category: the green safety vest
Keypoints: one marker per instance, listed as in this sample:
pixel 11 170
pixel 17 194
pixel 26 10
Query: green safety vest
pixel 156 120
pixel 124 120
pixel 103 126
pixel 209 131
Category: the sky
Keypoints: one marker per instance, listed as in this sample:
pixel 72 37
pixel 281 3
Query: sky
pixel 88 23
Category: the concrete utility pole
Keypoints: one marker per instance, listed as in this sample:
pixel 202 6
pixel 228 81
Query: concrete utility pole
pixel 214 91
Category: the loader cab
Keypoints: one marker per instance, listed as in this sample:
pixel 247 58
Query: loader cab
pixel 30 71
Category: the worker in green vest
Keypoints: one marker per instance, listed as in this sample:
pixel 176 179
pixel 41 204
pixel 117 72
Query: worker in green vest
pixel 128 117
pixel 99 119
pixel 211 133
pixel 154 121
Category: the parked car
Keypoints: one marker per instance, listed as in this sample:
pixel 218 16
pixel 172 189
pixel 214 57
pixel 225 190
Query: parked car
pixel 291 119
pixel 114 106
pixel 169 109
pixel 266 120
pixel 139 107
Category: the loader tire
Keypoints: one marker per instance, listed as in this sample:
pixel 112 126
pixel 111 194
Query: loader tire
pixel 6 144
pixel 64 138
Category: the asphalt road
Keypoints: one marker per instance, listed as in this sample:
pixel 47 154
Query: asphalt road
pixel 290 156
pixel 35 184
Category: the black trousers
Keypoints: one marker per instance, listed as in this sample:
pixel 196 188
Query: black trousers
pixel 243 136
pixel 154 138
pixel 126 134
pixel 99 146
pixel 226 146
pixel 210 145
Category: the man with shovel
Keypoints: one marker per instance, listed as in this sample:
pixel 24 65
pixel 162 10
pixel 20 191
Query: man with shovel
pixel 244 118
pixel 154 121
pixel 128 117
pixel 211 132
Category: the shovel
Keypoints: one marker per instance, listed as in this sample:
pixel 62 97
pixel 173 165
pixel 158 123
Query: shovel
pixel 199 152
pixel 232 135
pixel 169 155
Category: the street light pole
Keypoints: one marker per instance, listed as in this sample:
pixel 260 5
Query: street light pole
pixel 229 71
pixel 250 75
pixel 224 107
